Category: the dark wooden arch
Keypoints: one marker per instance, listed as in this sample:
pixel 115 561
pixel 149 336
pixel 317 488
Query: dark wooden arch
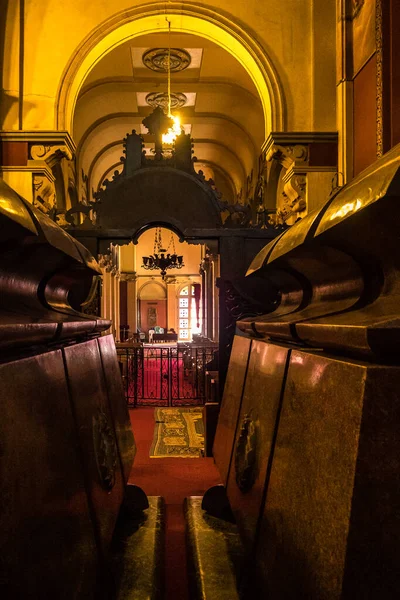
pixel 167 192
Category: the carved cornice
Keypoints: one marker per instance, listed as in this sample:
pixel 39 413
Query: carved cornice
pixel 288 155
pixel 295 138
pixel 42 138
pixel 31 167
pixel 50 154
pixel 129 277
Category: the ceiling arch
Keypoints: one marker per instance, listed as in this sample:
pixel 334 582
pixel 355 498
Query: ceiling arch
pixel 191 19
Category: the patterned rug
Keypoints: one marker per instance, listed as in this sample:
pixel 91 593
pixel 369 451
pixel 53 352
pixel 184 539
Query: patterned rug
pixel 179 432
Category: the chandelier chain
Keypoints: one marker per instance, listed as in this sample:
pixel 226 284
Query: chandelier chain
pixel 169 67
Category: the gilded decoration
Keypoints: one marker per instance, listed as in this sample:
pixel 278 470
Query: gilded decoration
pixel 156 59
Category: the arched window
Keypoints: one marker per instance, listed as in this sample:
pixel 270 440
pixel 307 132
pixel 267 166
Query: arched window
pixel 189 311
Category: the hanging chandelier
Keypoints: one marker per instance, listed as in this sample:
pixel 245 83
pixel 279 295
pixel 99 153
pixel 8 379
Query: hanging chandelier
pixel 162 259
pixel 175 130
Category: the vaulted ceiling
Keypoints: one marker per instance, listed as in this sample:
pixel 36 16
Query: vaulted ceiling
pixel 222 110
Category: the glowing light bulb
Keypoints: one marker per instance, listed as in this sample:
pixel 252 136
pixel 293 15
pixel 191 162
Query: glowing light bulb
pixel 173 132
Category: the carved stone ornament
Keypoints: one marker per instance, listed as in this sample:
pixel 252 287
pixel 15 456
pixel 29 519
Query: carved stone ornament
pixel 170 279
pixel 105 262
pixel 246 455
pixel 156 59
pixel 178 99
pixel 50 153
pixel 43 193
pixel 105 449
pixel 294 193
pixel 288 155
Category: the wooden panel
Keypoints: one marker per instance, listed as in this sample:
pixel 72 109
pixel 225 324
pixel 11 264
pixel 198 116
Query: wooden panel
pixel 255 435
pixel 97 436
pixel 13 154
pixel 118 404
pixel 230 406
pixel 46 536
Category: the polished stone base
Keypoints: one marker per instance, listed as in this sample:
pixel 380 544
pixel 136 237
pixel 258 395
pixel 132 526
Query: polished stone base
pixel 215 554
pixel 138 554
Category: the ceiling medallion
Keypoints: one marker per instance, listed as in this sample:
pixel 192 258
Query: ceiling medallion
pixel 156 59
pixel 178 99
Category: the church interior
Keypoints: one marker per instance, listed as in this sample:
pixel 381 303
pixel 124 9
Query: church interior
pixel 199 300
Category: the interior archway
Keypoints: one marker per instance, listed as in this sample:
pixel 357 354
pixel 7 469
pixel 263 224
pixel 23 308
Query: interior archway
pixel 156 301
pixel 191 19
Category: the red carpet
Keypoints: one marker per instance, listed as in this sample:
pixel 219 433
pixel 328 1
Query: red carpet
pixel 174 479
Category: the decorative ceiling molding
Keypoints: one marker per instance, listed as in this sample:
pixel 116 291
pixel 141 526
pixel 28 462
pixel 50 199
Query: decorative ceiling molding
pixel 178 99
pixel 196 86
pixel 156 59
pixel 135 119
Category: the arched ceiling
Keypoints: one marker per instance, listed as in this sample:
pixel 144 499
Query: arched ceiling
pixel 223 112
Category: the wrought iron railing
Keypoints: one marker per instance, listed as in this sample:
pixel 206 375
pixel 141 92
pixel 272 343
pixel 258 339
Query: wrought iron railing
pixel 166 376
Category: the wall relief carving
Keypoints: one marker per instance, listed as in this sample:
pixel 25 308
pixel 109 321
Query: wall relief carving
pixel 246 454
pixel 44 196
pixel 105 449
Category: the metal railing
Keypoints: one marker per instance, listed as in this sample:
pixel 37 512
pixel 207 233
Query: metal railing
pixel 166 376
